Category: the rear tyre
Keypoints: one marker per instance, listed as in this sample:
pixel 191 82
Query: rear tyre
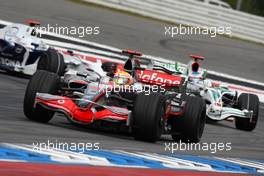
pixel 251 103
pixel 148 114
pixel 190 126
pixel 52 61
pixel 42 82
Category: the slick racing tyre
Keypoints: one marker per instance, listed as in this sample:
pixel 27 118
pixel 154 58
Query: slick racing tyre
pixel 147 117
pixel 52 61
pixel 190 126
pixel 42 82
pixel 251 103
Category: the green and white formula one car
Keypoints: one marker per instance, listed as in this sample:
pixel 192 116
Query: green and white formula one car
pixel 222 103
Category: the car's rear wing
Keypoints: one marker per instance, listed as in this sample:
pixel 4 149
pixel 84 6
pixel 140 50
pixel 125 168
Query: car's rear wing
pixel 139 57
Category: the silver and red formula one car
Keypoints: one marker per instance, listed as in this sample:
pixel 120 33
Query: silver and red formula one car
pixel 147 102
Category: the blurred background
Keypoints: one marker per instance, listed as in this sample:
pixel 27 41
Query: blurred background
pixel 250 6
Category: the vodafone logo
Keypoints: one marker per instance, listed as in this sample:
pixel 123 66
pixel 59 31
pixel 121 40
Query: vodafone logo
pixel 152 77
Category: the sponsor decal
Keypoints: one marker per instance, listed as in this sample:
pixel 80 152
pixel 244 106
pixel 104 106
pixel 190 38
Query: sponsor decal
pixel 61 101
pixel 10 63
pixel 158 78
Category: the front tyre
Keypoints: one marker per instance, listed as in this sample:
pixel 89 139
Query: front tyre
pixel 42 82
pixel 52 61
pixel 249 102
pixel 148 115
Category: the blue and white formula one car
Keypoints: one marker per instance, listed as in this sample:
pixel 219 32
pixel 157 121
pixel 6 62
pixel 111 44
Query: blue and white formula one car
pixel 20 48
pixel 222 103
pixel 22 51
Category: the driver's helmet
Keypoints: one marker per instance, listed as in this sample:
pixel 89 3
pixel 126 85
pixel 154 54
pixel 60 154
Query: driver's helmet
pixel 196 73
pixel 122 78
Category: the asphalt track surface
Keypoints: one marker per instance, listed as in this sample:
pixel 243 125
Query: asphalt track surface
pixel 123 31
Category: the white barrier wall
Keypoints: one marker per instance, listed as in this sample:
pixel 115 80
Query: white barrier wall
pixel 194 13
